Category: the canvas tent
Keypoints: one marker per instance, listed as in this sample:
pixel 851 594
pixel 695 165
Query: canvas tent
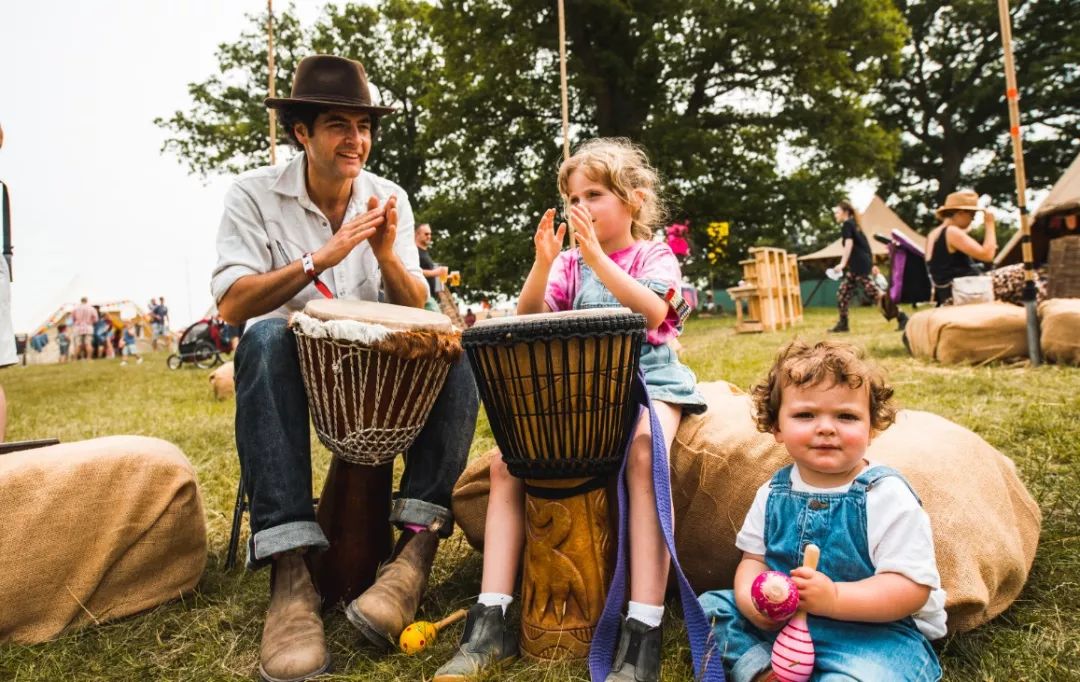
pixel 1046 221
pixel 878 218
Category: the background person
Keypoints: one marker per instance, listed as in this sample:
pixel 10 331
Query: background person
pixel 855 264
pixel 434 274
pixel 160 314
pixel 951 252
pixel 83 319
pixel 879 279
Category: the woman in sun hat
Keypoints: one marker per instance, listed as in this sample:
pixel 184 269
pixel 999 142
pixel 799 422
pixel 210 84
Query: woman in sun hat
pixel 951 251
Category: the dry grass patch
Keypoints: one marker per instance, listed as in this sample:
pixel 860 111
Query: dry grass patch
pixel 1032 415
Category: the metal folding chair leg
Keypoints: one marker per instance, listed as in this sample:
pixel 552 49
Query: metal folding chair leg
pixel 237 519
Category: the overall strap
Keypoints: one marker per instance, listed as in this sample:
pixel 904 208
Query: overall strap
pixel 869 478
pixel 602 650
pixel 782 479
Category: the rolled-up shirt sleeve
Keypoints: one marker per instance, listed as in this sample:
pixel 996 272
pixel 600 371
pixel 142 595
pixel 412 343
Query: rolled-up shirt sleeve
pixel 659 271
pixel 242 243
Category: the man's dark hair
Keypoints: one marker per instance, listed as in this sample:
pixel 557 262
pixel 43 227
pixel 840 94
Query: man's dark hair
pixel 306 114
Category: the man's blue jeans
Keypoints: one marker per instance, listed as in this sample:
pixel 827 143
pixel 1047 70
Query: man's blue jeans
pixel 273 436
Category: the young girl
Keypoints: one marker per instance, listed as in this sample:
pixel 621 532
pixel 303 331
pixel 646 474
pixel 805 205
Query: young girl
pixel 855 264
pixel 610 192
pixel 875 600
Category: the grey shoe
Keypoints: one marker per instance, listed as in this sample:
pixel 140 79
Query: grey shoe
pixel 638 656
pixel 484 643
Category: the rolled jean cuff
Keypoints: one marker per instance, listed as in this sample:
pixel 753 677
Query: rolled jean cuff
pixel 283 538
pixel 755 661
pixel 421 513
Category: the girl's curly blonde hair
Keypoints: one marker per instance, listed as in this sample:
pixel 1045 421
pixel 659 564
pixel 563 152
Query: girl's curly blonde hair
pixel 827 362
pixel 622 167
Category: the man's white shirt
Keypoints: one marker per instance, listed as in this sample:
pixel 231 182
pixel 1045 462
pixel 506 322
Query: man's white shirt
pixel 269 222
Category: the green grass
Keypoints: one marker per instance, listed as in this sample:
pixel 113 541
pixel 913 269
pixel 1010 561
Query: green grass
pixel 1032 415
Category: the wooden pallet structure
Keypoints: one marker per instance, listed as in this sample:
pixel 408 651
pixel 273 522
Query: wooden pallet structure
pixel 769 290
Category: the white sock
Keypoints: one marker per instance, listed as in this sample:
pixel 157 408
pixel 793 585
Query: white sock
pixel 645 613
pixel 495 599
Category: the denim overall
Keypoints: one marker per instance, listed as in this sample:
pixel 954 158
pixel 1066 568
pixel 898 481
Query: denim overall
pixel 835 522
pixel 666 378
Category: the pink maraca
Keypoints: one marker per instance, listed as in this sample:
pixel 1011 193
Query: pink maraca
pixel 793 650
pixel 775 595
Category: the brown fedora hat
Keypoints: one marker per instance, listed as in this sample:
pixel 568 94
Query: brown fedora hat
pixel 330 81
pixel 964 200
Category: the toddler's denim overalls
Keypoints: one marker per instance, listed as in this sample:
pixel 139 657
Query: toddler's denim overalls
pixel 836 523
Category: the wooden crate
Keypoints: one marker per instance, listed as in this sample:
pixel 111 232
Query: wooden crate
pixel 769 291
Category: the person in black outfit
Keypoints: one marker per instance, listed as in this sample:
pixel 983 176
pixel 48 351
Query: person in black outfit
pixel 432 272
pixel 856 263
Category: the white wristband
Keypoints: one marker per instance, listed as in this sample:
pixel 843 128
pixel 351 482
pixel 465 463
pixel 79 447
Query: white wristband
pixel 309 264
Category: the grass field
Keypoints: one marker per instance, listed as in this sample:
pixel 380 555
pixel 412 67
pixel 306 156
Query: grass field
pixel 213 634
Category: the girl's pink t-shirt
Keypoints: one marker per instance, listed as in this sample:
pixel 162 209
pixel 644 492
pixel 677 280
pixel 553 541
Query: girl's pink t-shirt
pixel 643 260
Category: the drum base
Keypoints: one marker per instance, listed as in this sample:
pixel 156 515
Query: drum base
pixel 353 513
pixel 569 560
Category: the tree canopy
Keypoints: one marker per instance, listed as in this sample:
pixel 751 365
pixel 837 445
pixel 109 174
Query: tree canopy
pixel 754 113
pixel 948 100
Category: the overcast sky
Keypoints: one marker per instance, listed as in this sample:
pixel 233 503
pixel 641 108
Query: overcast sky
pixel 92 196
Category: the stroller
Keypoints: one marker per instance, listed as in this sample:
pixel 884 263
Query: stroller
pixel 910 282
pixel 201 344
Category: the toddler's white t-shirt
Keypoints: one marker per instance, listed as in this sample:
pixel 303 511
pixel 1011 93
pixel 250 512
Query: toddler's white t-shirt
pixel 898 535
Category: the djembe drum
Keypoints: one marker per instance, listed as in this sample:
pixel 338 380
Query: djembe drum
pixel 557 391
pixel 372 372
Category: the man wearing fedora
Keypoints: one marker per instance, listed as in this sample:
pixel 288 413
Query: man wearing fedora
pixel 318 226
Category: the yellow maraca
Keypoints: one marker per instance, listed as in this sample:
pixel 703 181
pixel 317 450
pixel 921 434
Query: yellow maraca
pixel 416 637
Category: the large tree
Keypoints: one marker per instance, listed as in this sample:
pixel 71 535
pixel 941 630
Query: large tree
pixel 948 100
pixel 753 112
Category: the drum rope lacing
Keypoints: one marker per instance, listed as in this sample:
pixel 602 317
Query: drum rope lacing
pixel 400 400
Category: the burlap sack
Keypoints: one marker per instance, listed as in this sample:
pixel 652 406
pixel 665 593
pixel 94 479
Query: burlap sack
pixel 222 381
pixel 986 525
pixel 969 334
pixel 93 531
pixel 1060 335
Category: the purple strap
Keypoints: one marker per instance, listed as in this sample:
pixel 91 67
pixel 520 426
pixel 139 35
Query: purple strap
pixel 602 650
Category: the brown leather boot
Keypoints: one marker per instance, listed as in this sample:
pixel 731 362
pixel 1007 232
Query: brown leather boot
pixel 293 644
pixel 385 608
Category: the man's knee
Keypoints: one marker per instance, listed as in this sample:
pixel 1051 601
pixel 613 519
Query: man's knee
pixel 268 346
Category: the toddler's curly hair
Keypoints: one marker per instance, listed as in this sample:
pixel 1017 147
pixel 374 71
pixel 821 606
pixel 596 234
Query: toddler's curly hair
pixel 827 362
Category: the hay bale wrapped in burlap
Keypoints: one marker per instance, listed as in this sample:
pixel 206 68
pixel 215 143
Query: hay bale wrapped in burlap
pixel 986 525
pixel 969 334
pixel 1060 333
pixel 93 531
pixel 223 382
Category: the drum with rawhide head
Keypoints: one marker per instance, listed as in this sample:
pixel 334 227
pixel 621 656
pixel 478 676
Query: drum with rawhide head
pixel 372 372
pixel 557 391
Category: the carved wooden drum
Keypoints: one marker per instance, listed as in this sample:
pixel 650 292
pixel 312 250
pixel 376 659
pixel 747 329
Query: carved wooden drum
pixel 372 372
pixel 557 391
